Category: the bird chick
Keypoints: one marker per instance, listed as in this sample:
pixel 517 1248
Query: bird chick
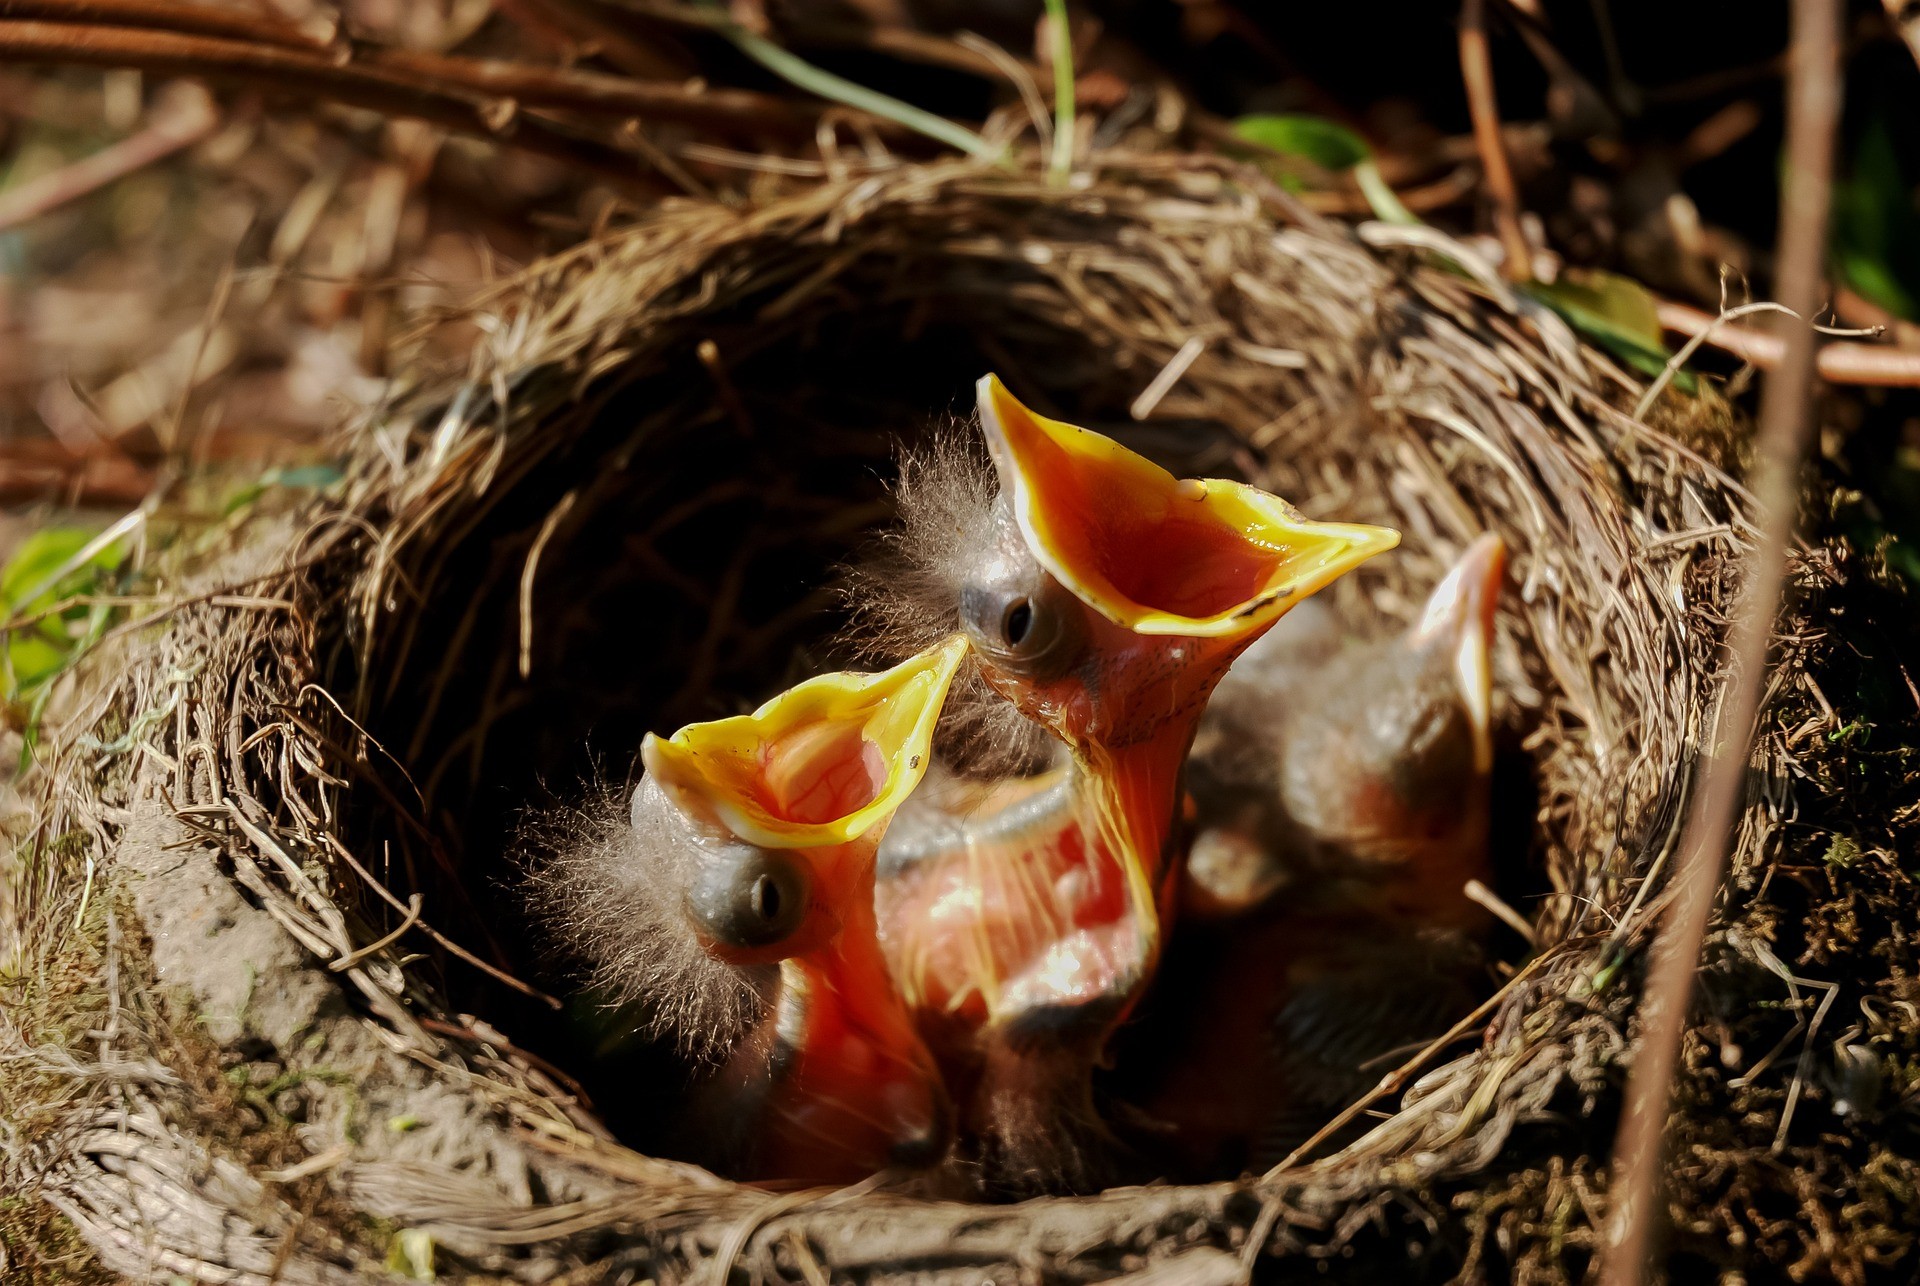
pixel 1341 805
pixel 1354 772
pixel 737 905
pixel 1104 598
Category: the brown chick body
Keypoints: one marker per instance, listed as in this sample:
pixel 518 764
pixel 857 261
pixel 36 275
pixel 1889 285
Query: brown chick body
pixel 1341 800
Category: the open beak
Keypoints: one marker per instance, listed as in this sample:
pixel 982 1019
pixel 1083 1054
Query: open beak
pixel 824 763
pixel 1460 615
pixel 1174 578
pixel 1155 554
pixel 815 775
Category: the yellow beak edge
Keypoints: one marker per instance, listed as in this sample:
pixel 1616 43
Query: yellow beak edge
pixel 1098 516
pixel 822 763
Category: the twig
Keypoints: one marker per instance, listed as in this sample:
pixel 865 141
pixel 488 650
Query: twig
pixel 1785 424
pixel 1692 346
pixel 276 69
pixel 612 41
pixel 1169 375
pixel 1020 77
pixel 446 943
pixel 1872 364
pixel 180 121
pixel 166 15
pixel 374 948
pixel 1392 1082
pixel 31 471
pixel 1499 908
pixel 554 518
pixel 1476 68
pixel 585 91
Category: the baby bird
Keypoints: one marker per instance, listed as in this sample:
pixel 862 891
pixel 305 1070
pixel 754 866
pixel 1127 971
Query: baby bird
pixel 1104 599
pixel 1361 769
pixel 1341 801
pixel 736 905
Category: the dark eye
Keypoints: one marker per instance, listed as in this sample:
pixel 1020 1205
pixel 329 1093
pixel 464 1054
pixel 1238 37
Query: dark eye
pixel 750 898
pixel 1018 622
pixel 1032 633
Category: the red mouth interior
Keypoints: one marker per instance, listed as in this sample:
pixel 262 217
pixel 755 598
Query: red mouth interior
pixel 819 773
pixel 1193 565
pixel 1188 568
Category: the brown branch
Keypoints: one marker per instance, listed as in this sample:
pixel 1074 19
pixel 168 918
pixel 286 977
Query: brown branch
pixel 277 69
pixel 164 15
pixel 610 40
pixel 1476 69
pixel 584 91
pixel 32 469
pixel 179 122
pixel 1786 418
pixel 1842 363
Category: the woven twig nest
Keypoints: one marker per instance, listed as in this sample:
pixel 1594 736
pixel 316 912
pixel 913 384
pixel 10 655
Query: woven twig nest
pixel 623 515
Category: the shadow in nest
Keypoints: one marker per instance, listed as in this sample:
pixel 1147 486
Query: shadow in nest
pixel 625 515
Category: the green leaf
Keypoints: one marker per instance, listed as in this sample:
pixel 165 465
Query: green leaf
pixel 39 556
pixel 32 658
pixel 1616 312
pixel 1876 229
pixel 37 652
pixel 1328 145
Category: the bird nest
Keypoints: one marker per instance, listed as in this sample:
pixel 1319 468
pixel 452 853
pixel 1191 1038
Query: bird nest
pixel 278 839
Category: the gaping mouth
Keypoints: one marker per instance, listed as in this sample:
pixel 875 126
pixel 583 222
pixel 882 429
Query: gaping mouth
pixel 1154 553
pixel 821 763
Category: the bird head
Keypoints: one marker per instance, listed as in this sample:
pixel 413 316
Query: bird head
pixel 1104 599
pixel 778 815
pixel 1396 758
pixel 1114 595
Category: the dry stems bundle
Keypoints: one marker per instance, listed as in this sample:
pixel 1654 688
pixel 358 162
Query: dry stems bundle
pixel 619 517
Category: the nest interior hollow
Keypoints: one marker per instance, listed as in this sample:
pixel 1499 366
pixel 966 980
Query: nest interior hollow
pixel 628 512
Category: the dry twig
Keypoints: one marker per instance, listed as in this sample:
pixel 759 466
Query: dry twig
pixel 1785 425
pixel 1476 68
pixel 1842 363
pixel 278 69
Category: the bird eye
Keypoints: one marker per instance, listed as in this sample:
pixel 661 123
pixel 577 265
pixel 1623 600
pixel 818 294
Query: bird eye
pixel 1029 633
pixel 1018 623
pixel 750 898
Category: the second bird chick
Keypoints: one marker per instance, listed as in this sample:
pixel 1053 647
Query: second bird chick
pixel 1341 795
